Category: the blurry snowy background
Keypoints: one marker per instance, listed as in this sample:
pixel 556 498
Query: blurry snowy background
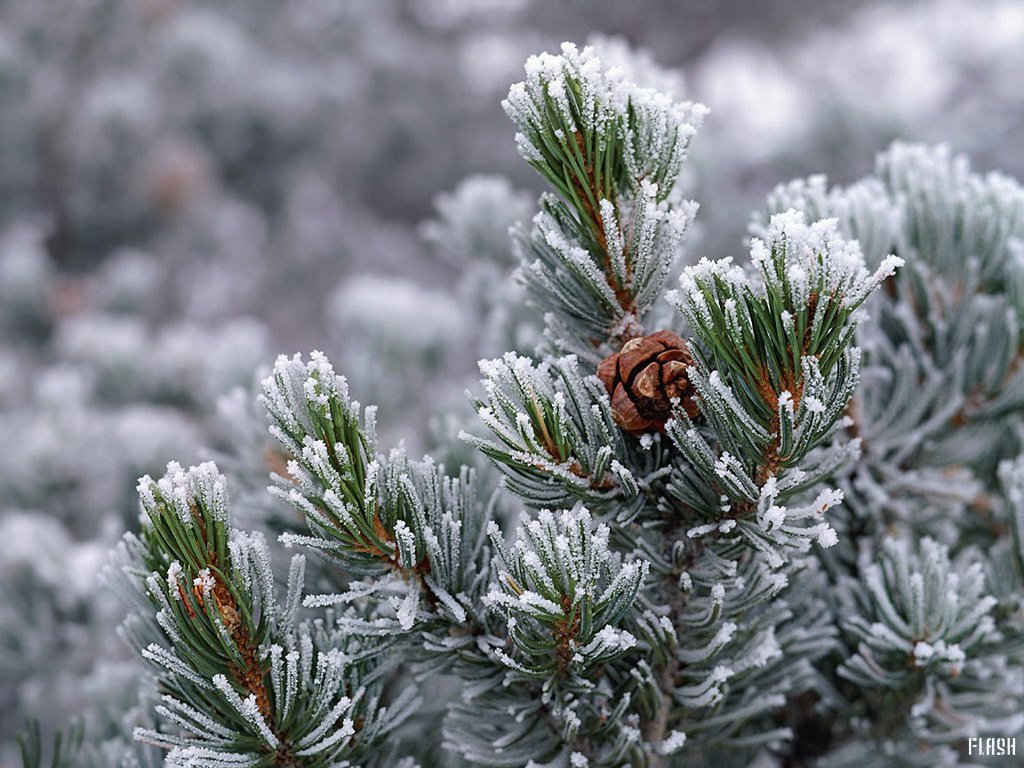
pixel 189 188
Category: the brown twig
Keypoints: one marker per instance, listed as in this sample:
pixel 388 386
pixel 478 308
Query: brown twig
pixel 586 195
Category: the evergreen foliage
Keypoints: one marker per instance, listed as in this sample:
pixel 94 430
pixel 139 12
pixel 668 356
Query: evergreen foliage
pixel 816 559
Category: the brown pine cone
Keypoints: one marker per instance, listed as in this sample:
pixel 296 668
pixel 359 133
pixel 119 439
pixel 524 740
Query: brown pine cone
pixel 643 377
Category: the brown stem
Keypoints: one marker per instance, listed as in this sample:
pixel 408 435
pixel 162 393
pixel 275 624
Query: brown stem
pixel 622 294
pixel 565 633
pixel 250 675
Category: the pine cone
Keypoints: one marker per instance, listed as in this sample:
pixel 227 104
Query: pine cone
pixel 643 377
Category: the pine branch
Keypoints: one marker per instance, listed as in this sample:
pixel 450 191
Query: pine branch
pixel 555 436
pixel 381 517
pixel 612 150
pixel 662 601
pixel 563 591
pixel 243 683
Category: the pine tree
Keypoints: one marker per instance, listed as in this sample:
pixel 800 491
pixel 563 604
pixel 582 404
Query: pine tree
pixel 780 522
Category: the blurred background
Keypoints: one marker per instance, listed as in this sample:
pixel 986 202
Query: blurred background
pixel 189 188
